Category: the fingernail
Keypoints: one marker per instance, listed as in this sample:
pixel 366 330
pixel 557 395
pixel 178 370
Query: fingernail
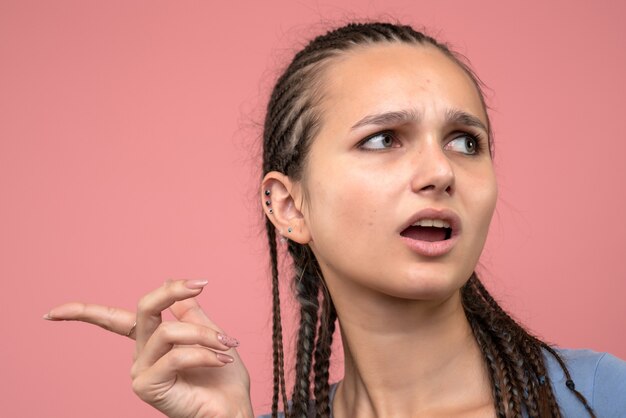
pixel 196 284
pixel 47 316
pixel 224 358
pixel 228 341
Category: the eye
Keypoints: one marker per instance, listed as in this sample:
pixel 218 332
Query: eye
pixel 381 140
pixel 467 144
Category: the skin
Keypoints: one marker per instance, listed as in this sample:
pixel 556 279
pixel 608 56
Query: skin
pixel 394 305
pixel 181 367
pixel 409 351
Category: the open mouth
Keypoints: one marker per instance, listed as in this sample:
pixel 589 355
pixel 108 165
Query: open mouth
pixel 432 232
pixel 427 233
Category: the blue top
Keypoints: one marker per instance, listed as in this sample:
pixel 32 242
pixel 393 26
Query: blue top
pixel 600 377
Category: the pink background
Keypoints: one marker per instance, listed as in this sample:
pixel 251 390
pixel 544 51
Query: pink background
pixel 128 155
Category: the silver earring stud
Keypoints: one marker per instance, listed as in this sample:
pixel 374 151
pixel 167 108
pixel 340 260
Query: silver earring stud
pixel 268 202
pixel 271 211
pixel 289 229
pixel 267 193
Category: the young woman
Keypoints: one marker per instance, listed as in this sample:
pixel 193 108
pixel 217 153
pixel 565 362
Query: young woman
pixel 379 180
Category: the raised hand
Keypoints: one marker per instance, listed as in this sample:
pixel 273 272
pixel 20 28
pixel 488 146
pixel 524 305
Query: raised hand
pixel 185 368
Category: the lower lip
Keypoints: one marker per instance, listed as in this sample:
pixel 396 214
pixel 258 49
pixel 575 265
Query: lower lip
pixel 431 249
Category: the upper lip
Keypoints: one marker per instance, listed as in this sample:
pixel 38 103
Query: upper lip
pixel 444 214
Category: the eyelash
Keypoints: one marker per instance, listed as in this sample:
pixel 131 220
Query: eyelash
pixel 478 141
pixel 477 138
pixel 366 140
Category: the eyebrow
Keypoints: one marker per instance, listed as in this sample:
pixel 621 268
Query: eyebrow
pixel 459 117
pixel 452 116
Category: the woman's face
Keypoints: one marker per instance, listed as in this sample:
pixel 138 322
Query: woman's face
pixel 397 138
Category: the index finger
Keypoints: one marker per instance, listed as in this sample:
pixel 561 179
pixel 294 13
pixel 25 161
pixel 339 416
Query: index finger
pixel 117 320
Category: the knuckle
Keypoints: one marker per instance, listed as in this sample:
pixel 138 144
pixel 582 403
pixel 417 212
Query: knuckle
pixel 143 304
pixel 177 358
pixel 138 387
pixel 182 357
pixel 209 333
pixel 81 310
pixel 203 333
pixel 109 317
pixel 133 372
pixel 166 331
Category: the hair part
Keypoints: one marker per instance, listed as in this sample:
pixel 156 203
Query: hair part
pixel 513 356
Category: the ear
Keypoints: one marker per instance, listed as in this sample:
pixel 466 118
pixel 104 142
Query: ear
pixel 282 202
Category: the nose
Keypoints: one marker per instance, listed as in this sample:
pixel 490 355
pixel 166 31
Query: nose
pixel 432 171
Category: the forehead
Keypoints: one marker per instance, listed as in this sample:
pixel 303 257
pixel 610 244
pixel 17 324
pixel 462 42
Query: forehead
pixel 394 76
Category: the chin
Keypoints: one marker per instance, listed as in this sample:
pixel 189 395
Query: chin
pixel 432 285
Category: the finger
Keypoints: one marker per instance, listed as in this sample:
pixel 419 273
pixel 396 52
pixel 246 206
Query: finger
pixel 117 320
pixel 174 333
pixel 189 310
pixel 150 306
pixel 176 360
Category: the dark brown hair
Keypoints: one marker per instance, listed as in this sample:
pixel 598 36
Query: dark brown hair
pixel 514 357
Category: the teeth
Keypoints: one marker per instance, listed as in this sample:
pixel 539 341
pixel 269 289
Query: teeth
pixel 439 223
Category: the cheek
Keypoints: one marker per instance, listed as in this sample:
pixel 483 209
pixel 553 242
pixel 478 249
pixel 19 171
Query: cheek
pixel 342 204
pixel 479 205
pixel 345 212
pixel 490 196
pixel 482 201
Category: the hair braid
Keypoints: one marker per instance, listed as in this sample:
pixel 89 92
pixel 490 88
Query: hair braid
pixel 540 344
pixel 515 361
pixel 489 354
pixel 545 403
pixel 325 333
pixel 502 373
pixel 277 329
pixel 507 344
pixel 512 365
pixel 307 293
pixel 524 351
pixel 520 370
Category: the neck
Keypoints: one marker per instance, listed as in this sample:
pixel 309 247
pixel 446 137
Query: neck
pixel 404 357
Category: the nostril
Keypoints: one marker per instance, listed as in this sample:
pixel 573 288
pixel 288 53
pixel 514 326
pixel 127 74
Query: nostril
pixel 448 189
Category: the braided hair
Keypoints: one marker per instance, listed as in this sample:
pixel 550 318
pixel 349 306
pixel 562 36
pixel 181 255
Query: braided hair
pixel 513 356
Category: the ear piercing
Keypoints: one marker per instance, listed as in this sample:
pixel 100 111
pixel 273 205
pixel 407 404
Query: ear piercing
pixel 284 239
pixel 268 202
pixel 270 210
